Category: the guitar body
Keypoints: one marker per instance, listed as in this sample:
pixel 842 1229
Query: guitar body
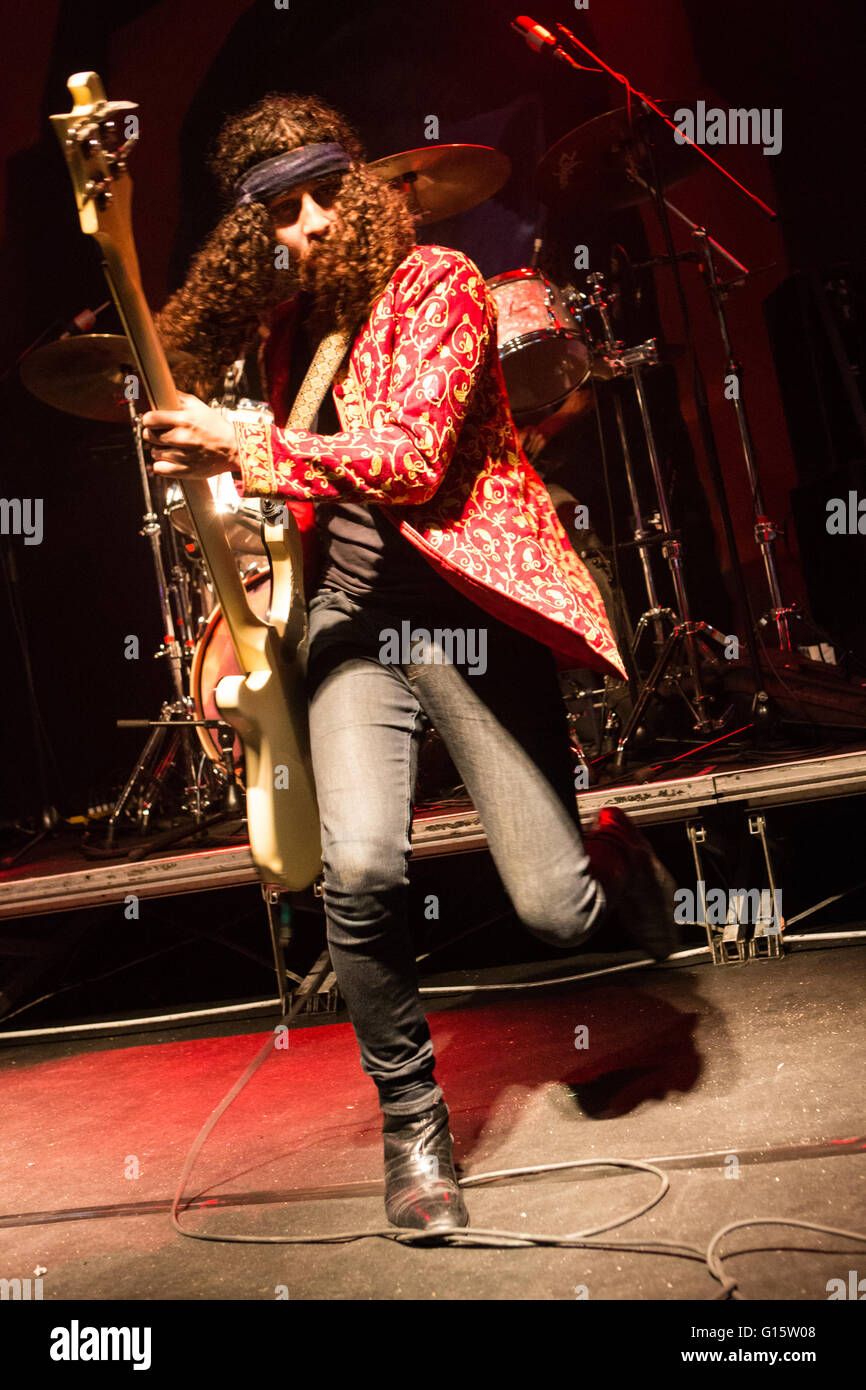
pixel 279 785
pixel 268 710
pixel 267 704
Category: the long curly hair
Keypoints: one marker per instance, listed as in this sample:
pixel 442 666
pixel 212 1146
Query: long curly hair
pixel 235 278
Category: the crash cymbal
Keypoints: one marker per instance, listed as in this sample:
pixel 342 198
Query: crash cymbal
pixel 589 166
pixel 442 180
pixel 86 375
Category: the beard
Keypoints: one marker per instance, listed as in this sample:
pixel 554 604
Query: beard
pixel 333 274
pixel 271 286
pixel 314 281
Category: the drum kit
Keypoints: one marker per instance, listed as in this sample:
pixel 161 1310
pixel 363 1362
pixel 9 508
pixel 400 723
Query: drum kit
pixel 90 376
pixel 556 341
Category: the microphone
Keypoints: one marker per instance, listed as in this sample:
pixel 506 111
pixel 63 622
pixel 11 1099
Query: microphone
pixel 540 39
pixel 83 322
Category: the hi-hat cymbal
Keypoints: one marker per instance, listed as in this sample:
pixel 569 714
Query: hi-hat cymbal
pixel 590 165
pixel 442 180
pixel 86 376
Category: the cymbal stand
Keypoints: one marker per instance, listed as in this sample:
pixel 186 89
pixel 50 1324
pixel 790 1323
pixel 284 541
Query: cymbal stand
pixel 176 720
pixel 180 583
pixel 152 529
pixel 686 635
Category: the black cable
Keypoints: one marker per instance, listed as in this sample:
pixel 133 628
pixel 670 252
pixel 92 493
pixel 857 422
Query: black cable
pixel 195 939
pixel 94 979
pixel 714 1261
pixel 479 1236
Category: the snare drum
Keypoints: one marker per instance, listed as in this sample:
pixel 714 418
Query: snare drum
pixel 242 516
pixel 542 344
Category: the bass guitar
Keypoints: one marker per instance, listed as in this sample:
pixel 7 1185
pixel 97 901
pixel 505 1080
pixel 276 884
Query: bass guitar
pixel 266 703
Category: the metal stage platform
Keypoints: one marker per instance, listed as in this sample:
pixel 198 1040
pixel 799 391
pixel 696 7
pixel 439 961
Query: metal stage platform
pixel 61 883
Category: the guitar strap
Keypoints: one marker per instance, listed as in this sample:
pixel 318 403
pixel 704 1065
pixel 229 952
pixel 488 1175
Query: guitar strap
pixel 320 373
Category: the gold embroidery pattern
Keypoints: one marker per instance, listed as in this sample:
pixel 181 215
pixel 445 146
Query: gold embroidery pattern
pixel 256 458
pixel 428 435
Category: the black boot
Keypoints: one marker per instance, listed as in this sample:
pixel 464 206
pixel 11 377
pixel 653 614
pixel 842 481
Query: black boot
pixel 642 892
pixel 421 1188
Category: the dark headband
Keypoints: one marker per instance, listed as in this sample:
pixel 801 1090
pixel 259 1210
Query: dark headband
pixel 275 175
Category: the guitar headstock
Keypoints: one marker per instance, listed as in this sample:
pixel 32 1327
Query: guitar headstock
pixel 96 137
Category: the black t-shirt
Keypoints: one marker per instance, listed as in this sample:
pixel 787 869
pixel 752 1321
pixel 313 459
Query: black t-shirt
pixel 366 556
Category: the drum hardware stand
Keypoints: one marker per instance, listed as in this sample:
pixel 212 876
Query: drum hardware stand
pixel 780 614
pixel 598 300
pixel 232 802
pixel 179 589
pixel 177 721
pixel 152 529
pixel 765 530
pixel 685 634
pixel 176 718
pixel 762 708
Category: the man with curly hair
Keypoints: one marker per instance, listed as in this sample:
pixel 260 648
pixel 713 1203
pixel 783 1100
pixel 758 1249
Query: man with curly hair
pixel 430 523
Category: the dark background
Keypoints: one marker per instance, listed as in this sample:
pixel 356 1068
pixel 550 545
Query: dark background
pixel 389 66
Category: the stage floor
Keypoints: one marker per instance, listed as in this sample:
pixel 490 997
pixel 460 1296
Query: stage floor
pixel 752 1069
pixel 56 876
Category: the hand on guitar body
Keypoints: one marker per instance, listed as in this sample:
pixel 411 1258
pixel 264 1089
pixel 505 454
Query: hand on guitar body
pixel 195 441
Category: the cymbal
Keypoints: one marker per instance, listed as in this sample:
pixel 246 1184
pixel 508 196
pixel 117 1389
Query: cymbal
pixel 442 180
pixel 86 375
pixel 589 166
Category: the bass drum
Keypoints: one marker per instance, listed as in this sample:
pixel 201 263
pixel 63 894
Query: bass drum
pixel 214 658
pixel 542 343
pixel 438 781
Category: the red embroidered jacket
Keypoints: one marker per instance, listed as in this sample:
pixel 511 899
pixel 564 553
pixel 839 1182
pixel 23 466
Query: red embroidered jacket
pixel 428 436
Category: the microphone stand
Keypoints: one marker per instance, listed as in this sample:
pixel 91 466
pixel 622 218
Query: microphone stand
pixel 765 530
pixel 649 105
pixel 761 709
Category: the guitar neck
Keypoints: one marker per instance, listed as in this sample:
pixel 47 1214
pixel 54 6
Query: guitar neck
pixel 246 629
pixel 266 702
